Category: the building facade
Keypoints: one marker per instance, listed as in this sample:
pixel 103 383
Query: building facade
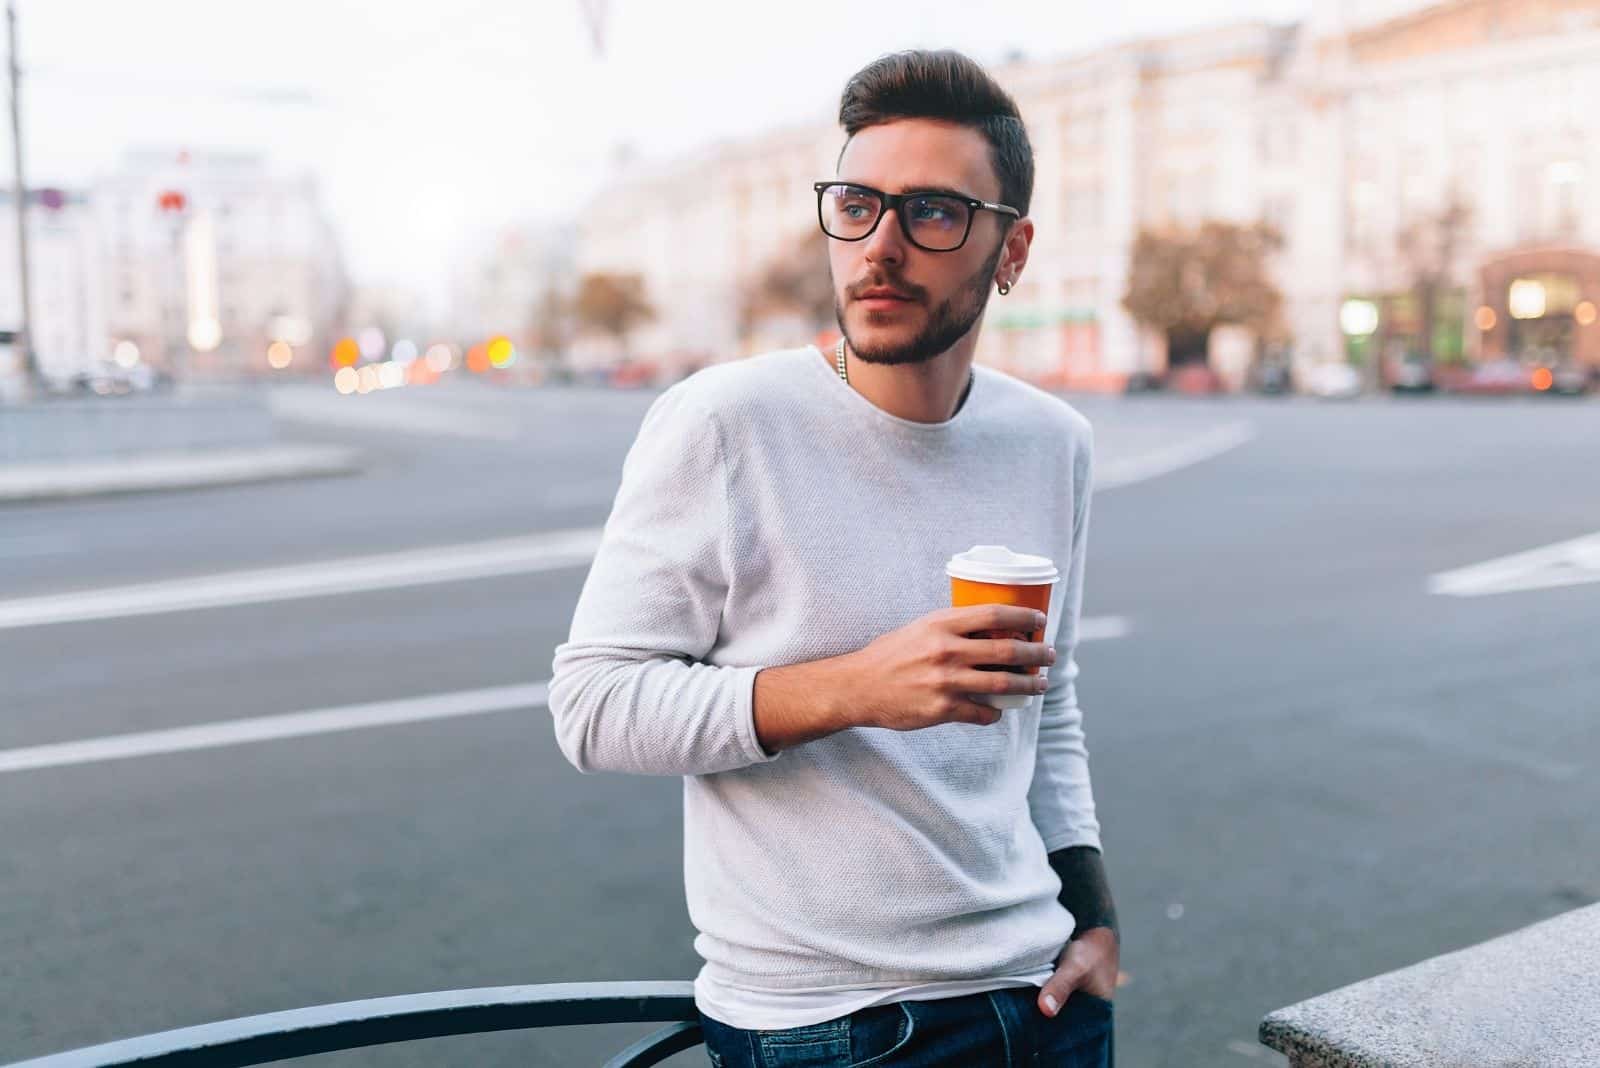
pixel 201 261
pixel 67 294
pixel 1351 133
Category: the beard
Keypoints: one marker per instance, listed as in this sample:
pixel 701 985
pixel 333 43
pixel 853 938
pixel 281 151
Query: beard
pixel 947 324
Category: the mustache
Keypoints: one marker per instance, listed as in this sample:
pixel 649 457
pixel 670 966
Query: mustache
pixel 903 288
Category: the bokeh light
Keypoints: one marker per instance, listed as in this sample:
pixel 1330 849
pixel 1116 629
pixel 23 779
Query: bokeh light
pixel 205 333
pixel 280 355
pixel 1527 299
pixel 439 358
pixel 478 358
pixel 1484 318
pixel 126 354
pixel 1584 312
pixel 346 353
pixel 1358 317
pixel 391 375
pixel 372 342
pixel 1543 379
pixel 346 380
pixel 501 352
pixel 404 351
pixel 367 379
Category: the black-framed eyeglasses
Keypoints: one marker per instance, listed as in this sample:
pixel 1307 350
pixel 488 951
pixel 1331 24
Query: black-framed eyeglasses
pixel 936 220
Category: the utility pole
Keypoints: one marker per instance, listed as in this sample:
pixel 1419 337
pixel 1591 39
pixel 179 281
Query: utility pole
pixel 24 341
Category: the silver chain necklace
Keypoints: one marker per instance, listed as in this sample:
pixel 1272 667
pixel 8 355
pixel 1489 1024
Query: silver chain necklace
pixel 838 359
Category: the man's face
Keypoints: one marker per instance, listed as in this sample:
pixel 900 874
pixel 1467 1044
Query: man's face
pixel 945 292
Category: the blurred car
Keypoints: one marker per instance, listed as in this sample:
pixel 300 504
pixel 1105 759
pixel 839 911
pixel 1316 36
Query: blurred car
pixel 1333 381
pixel 1143 382
pixel 1412 374
pixel 633 375
pixel 1501 378
pixel 1564 378
pixel 1272 378
pixel 1195 378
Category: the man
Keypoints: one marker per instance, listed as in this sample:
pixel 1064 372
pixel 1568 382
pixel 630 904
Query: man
pixel 881 869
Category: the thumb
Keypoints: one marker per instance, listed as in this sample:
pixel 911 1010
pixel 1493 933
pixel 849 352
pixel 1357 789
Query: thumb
pixel 1060 986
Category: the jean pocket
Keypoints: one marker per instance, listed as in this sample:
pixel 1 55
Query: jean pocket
pixel 824 1045
pixel 1093 1001
pixel 878 1032
pixel 1079 1036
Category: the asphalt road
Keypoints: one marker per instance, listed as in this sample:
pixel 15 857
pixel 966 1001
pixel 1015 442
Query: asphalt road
pixel 1310 768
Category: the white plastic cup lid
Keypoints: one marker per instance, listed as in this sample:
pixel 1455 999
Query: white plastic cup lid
pixel 997 564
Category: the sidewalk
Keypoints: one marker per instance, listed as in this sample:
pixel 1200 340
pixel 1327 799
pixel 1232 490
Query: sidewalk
pixel 189 469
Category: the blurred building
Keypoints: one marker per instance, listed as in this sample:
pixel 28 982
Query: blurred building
pixel 1350 132
pixel 1483 102
pixel 68 321
pixel 210 257
pixel 517 287
pixel 697 232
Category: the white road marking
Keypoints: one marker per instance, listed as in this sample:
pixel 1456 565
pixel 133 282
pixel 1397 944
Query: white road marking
pixel 1566 563
pixel 273 728
pixel 421 567
pixel 1103 628
pixel 327 720
pixel 1116 473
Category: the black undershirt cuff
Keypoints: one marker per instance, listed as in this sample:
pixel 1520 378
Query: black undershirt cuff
pixel 1085 892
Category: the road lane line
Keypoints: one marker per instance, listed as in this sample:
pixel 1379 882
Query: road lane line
pixel 273 728
pixel 1566 563
pixel 1114 474
pixel 342 718
pixel 419 567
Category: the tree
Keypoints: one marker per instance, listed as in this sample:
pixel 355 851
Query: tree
pixel 613 304
pixel 793 283
pixel 1185 283
pixel 550 322
pixel 1426 250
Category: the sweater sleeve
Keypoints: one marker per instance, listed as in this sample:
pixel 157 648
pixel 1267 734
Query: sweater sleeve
pixel 1060 799
pixel 630 690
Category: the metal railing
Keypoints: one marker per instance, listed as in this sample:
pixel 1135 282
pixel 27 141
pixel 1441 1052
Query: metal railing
pixel 280 1036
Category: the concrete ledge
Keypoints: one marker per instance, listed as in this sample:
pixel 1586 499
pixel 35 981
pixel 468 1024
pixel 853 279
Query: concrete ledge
pixel 1530 999
pixel 144 472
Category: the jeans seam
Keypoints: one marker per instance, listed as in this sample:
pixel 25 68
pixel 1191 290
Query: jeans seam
pixel 900 1043
pixel 1005 1036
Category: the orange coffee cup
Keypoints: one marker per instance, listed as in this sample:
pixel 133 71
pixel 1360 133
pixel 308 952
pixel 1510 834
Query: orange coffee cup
pixel 993 574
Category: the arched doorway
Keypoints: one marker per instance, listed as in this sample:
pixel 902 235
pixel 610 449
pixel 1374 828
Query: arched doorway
pixel 1540 304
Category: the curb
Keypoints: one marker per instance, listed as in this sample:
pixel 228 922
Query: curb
pixel 151 472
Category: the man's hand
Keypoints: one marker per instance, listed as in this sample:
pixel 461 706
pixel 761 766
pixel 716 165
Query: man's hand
pixel 1089 963
pixel 927 672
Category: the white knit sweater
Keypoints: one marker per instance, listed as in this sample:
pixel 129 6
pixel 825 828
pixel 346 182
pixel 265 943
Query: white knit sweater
pixel 769 514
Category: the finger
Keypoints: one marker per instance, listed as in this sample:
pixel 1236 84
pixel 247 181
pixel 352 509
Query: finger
pixel 1058 988
pixel 1008 651
pixel 977 617
pixel 998 682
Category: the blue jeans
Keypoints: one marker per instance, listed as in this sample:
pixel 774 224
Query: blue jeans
pixel 999 1028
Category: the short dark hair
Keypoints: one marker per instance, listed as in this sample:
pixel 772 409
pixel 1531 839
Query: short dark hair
pixel 948 86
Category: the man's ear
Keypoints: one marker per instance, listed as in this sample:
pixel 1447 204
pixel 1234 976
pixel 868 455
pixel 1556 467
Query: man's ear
pixel 1018 240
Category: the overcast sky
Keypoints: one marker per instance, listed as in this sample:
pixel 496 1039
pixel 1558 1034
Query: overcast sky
pixel 428 123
